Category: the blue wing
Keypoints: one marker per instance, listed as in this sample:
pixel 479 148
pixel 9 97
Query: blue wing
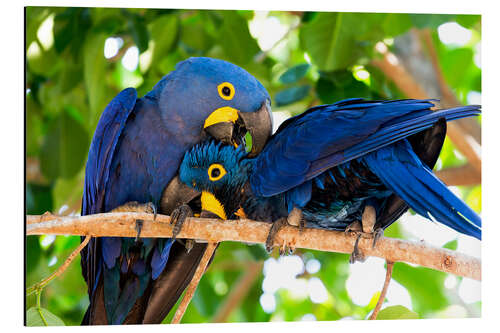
pixel 326 136
pixel 101 152
pixel 401 170
pixel 102 148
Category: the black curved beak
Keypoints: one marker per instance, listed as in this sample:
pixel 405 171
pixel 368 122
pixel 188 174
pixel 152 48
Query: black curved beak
pixel 233 127
pixel 175 194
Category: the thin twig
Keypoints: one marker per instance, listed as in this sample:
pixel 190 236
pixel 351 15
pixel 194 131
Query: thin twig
pixel 39 307
pixel 238 292
pixel 188 295
pixel 40 285
pixel 248 231
pixel 388 276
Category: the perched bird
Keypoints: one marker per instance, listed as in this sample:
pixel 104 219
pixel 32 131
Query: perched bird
pixel 132 165
pixel 335 166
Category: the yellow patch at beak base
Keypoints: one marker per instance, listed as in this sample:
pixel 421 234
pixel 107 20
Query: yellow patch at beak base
pixel 210 203
pixel 224 114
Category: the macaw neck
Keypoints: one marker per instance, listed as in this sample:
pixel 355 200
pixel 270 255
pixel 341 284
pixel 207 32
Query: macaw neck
pixel 266 209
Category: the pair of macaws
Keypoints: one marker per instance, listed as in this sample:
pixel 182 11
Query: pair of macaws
pixel 330 167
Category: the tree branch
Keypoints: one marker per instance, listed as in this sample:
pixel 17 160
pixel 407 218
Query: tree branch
pixel 60 270
pixel 462 175
pixel 188 295
pixel 214 230
pixel 381 299
pixel 238 291
pixel 403 71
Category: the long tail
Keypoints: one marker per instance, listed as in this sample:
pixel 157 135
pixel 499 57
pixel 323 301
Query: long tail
pixel 401 170
pixel 408 125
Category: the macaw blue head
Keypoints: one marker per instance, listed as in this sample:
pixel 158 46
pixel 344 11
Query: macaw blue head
pixel 218 99
pixel 219 172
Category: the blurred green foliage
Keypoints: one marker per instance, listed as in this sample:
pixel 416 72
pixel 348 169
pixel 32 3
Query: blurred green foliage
pixel 303 59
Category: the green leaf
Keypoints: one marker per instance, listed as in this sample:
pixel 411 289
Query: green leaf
pixel 33 253
pixel 432 21
pixel 338 40
pixel 68 191
pixel 294 74
pixel 45 63
pixel 34 318
pixel 139 32
pixel 451 245
pixel 473 199
pixel 291 95
pixel 94 72
pixel 258 252
pixel 164 33
pixel 457 58
pixel 328 92
pixel 341 84
pixel 38 199
pixel 396 24
pixel 424 285
pixel 194 38
pixel 35 16
pixel 34 125
pixel 70 75
pixel 468 21
pixel 240 47
pixel 68 24
pixel 64 148
pixel 396 312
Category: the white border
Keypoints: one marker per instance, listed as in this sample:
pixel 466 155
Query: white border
pixel 12 167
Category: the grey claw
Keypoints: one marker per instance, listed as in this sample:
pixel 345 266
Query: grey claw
pixel 178 217
pixel 138 228
pixel 356 254
pixel 377 235
pixel 153 207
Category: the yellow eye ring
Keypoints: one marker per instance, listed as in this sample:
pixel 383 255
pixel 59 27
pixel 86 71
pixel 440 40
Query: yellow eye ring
pixel 216 172
pixel 226 91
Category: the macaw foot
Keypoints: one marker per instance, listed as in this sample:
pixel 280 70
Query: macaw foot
pixel 364 229
pixel 275 227
pixel 178 217
pixel 286 248
pixel 295 219
pixel 134 206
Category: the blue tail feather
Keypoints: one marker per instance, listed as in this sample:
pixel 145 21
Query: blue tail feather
pixel 402 171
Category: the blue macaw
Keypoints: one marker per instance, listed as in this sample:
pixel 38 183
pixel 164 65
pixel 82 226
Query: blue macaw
pixel 132 165
pixel 334 166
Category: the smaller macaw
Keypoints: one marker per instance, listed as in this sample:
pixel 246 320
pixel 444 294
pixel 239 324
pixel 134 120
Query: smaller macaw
pixel 344 166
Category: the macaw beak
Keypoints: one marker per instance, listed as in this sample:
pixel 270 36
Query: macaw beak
pixel 212 206
pixel 230 126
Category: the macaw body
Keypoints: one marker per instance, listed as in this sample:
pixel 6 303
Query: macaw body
pixel 333 161
pixel 132 164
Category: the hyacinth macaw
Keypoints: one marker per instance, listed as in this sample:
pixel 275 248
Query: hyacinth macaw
pixel 335 166
pixel 132 165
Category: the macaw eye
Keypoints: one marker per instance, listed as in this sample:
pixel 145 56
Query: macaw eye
pixel 216 172
pixel 226 91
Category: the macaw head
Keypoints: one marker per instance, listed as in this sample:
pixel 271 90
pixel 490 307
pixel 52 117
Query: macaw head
pixel 219 100
pixel 220 173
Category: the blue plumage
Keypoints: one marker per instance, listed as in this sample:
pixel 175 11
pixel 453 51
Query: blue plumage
pixel 135 153
pixel 402 171
pixel 333 160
